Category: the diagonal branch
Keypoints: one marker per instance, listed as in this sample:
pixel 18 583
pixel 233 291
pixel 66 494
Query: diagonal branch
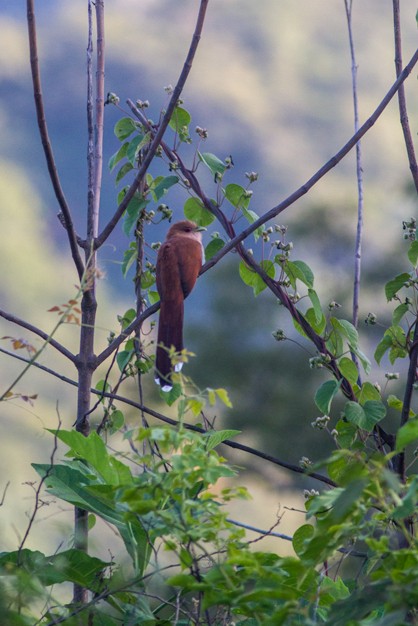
pixel 36 331
pixel 46 144
pixel 161 129
pixel 279 208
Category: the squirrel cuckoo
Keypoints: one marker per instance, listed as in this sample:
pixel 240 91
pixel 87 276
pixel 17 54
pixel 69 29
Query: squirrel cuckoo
pixel 178 265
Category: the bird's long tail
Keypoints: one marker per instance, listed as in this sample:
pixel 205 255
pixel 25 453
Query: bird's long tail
pixel 170 333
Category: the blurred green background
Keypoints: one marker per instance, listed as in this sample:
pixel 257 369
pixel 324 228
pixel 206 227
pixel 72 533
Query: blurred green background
pixel 272 84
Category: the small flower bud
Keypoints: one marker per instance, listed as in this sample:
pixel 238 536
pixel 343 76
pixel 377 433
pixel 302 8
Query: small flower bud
pixel 252 176
pixel 142 104
pixel 202 132
pixel 112 98
pixel 305 462
pixel 279 335
pixel 392 375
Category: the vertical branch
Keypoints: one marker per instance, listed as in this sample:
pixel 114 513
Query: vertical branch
pixel 359 169
pixel 86 360
pixel 46 143
pixel 98 152
pixel 90 117
pixel 409 144
pixel 399 460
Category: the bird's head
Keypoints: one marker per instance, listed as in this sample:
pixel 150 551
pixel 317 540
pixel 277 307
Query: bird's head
pixel 185 228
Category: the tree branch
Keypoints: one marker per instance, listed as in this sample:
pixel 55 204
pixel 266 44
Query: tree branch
pixel 359 171
pixel 46 144
pixel 409 144
pixel 279 208
pixel 92 228
pixel 36 331
pixel 161 129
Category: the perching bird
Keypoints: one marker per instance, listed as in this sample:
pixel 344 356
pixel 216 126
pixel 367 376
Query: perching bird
pixel 178 264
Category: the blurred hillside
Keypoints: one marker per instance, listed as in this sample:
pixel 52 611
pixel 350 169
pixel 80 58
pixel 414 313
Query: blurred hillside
pixel 272 84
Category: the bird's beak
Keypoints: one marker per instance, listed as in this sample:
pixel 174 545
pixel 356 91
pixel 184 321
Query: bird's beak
pixel 200 229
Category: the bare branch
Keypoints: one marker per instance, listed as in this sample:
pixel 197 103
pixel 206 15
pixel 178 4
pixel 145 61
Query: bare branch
pixel 161 129
pixel 90 116
pixel 92 227
pixel 38 503
pixel 46 144
pixel 36 331
pixel 359 170
pixel 401 95
pixel 279 208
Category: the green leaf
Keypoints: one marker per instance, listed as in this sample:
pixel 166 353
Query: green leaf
pixel 407 434
pixel 301 537
pixel 213 247
pixel 195 211
pixel 346 329
pixel 325 394
pixel 252 279
pixel 237 195
pixel 313 296
pixel 73 566
pixel 153 296
pixel 216 166
pixel 382 347
pixel 223 397
pixel 394 340
pixel 395 285
pixel 129 256
pixel 93 449
pixel 318 325
pixel 368 392
pixel 367 416
pixel 125 169
pixel 133 211
pixel 348 369
pixel 363 359
pixel 123 358
pixel 163 186
pixel 215 437
pixel 180 121
pixel 118 156
pixel 251 217
pixel 147 279
pixel 409 502
pixel 299 270
pixel 399 312
pixel 413 253
pixel 124 127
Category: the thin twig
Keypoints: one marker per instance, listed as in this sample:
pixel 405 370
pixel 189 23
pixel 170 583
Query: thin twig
pixel 39 488
pixel 409 144
pixel 46 144
pixel 161 129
